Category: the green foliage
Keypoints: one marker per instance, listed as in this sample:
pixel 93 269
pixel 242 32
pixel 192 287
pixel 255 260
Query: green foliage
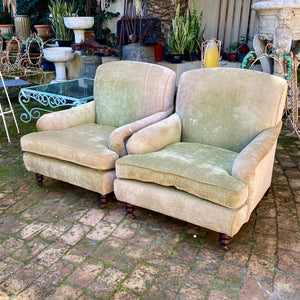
pixel 179 38
pixel 101 16
pixel 37 10
pixel 110 37
pixel 234 46
pixel 5 16
pixel 187 32
pixel 194 27
pixel 8 35
pixel 58 10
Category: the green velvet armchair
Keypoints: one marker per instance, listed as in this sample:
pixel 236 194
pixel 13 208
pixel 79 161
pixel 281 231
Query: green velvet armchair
pixel 211 162
pixel 80 145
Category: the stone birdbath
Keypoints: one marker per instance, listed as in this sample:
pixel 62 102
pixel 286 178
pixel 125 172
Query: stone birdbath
pixel 59 56
pixel 79 25
pixel 278 21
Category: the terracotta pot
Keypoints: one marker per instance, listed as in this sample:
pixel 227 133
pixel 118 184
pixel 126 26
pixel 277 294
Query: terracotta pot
pixel 6 28
pixel 43 31
pixel 22 26
pixel 231 57
pixel 158 52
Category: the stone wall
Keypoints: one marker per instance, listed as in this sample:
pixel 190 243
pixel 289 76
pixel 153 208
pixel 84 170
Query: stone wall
pixel 165 10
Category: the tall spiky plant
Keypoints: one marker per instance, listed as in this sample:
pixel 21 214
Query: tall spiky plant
pixel 194 24
pixel 178 38
pixel 58 10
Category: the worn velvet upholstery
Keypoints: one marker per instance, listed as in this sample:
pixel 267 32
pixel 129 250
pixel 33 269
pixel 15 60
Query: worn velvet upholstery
pixel 132 93
pixel 201 170
pixel 84 144
pixel 228 107
pixel 80 145
pixel 222 166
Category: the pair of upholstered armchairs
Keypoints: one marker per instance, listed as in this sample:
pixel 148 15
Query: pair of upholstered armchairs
pixel 208 163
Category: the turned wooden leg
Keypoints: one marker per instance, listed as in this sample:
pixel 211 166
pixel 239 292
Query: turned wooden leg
pixel 39 179
pixel 267 192
pixel 103 200
pixel 130 209
pixel 225 241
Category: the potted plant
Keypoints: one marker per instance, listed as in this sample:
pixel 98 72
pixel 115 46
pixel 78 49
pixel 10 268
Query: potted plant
pixel 58 10
pixel 158 48
pixel 178 38
pixel 233 47
pixel 102 15
pixel 12 44
pixel 194 24
pixel 43 31
pixel 243 48
pixel 5 18
pixel 21 19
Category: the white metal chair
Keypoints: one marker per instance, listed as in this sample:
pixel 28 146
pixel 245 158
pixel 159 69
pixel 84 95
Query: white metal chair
pixel 10 111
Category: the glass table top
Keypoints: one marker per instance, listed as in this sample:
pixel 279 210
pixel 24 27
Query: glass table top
pixel 82 88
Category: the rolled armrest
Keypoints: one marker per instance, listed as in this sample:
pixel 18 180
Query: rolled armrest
pixel 118 138
pixel 63 119
pixel 246 162
pixel 156 136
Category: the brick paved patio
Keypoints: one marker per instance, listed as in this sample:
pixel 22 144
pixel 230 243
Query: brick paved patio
pixel 57 244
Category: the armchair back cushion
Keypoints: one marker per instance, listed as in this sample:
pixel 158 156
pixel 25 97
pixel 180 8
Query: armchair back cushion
pixel 214 113
pixel 126 91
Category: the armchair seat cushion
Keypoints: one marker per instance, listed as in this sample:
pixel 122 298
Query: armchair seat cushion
pixel 198 169
pixel 84 144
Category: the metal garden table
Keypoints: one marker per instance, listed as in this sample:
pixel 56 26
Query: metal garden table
pixel 67 93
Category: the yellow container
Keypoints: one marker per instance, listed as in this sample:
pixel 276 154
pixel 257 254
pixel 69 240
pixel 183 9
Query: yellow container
pixel 211 58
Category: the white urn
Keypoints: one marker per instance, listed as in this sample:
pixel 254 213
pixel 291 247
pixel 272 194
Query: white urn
pixel 59 56
pixel 79 25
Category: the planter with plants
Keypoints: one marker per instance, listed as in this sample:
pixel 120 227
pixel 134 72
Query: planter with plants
pixel 58 10
pixel 102 15
pixel 195 31
pixel 186 35
pixel 178 38
pixel 21 20
pixel 5 17
pixel 43 31
pixel 158 48
pixel 232 54
pixel 22 26
pixel 243 48
pixel 11 44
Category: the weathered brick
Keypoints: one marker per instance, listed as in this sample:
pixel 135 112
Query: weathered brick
pixel 65 292
pixel 51 254
pixel 92 217
pixel 101 231
pixel 75 234
pixel 105 284
pixel 86 273
pixel 141 278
